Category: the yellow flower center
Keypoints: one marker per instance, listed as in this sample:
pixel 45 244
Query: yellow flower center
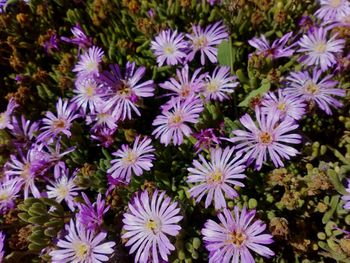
pixel 176 119
pixel 153 225
pixel 26 171
pixel 215 177
pixel 62 191
pixel 213 86
pixel 91 66
pixel 169 49
pixel 281 106
pixel 2 118
pixel 130 157
pixel 335 3
pixel 59 124
pixel 321 47
pixel 265 138
pixel 81 250
pixel 90 90
pixel 4 196
pixel 311 87
pixel 200 42
pixel 237 238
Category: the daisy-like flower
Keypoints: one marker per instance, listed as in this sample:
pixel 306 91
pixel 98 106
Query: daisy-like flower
pixel 313 88
pixel 136 159
pixel 55 125
pixel 23 131
pixel 91 215
pixel 330 10
pixel 89 94
pixel 82 246
pixel 284 105
pixel 123 92
pixel 320 51
pixel 219 84
pixel 276 50
pixel 218 176
pixel 173 123
pixel 148 224
pixel 169 47
pixel 65 189
pixel 5 117
pixel 270 137
pixel 105 136
pixel 184 85
pixel 206 41
pixel 80 38
pixel 232 239
pixel 346 197
pixel 28 168
pixel 89 61
pixel 205 139
pixel 102 118
pixel 9 190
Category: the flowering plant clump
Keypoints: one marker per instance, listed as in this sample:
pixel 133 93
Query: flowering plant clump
pixel 175 131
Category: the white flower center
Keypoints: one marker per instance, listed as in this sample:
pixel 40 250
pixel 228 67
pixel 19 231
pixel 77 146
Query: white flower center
pixel 130 158
pixel 62 191
pixel 169 49
pixel 321 47
pixel 265 138
pixel 200 42
pixel 213 86
pixel 81 249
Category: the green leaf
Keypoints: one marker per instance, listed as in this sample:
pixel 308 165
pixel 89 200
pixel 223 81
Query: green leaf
pixel 225 52
pixel 333 204
pixel 265 86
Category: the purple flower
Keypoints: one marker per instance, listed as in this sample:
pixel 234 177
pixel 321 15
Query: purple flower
pixel 216 177
pixel 123 92
pixel 172 123
pixel 9 190
pixel 206 41
pixel 80 39
pixel 205 139
pixel 219 84
pixel 82 245
pixel 136 159
pixel 51 44
pixel 346 197
pixel 89 94
pixel 313 88
pixel 28 168
pixel 2 242
pixel 276 50
pixel 235 236
pixel 213 2
pixel 91 215
pixel 5 117
pixel 64 188
pixel 330 10
pixel 104 135
pixel 306 23
pixel 55 125
pixel 269 137
pixel 184 85
pixel 148 224
pixel 103 118
pixel 89 61
pixel 169 47
pixel 284 105
pixel 23 131
pixel 319 50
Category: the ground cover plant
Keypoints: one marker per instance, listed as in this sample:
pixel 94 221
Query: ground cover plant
pixel 174 131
